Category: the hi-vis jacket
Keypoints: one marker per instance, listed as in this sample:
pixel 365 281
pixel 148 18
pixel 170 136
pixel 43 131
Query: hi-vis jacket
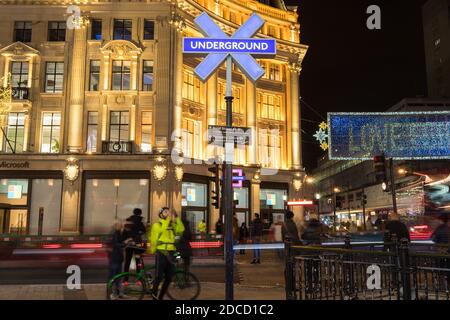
pixel 162 235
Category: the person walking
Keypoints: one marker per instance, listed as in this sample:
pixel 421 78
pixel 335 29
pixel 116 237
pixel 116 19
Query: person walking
pixel 243 235
pixel 235 231
pixel 256 234
pixel 313 232
pixel 289 229
pixel 219 226
pixel 277 235
pixel 201 228
pixel 395 226
pixel 134 229
pixel 162 240
pixel 115 249
pixel 184 244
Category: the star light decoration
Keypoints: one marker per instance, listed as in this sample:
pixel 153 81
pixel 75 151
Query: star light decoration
pixel 322 135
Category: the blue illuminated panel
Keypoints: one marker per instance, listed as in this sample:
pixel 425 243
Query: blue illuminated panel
pixel 229 45
pixel 401 135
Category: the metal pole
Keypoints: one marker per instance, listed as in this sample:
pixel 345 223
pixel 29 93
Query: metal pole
pixel 394 194
pixel 364 209
pixel 334 211
pixel 228 190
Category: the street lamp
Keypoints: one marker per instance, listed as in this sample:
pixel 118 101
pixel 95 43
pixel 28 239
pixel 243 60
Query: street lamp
pixel 402 171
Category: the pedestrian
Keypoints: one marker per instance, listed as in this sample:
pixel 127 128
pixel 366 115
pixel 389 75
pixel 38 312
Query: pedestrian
pixel 243 235
pixel 135 229
pixel 395 227
pixel 235 232
pixel 256 234
pixel 201 228
pixel 162 240
pixel 219 226
pixel 442 236
pixel 313 232
pixel 115 248
pixel 277 234
pixel 312 236
pixel 289 229
pixel 184 244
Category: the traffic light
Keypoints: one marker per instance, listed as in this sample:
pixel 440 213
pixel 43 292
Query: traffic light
pixel 215 170
pixel 364 199
pixel 379 164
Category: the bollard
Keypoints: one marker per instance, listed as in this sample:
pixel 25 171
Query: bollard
pixel 404 265
pixel 289 271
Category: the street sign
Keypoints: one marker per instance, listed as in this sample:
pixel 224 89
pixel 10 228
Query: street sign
pixel 399 135
pixel 219 135
pixel 218 45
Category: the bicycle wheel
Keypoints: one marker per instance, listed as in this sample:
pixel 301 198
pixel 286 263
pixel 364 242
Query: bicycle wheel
pixel 184 286
pixel 132 289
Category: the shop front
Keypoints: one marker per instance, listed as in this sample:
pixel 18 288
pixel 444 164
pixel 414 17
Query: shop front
pixel 194 201
pixel 273 201
pixel 30 202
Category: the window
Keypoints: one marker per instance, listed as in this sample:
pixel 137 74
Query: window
pixel 192 139
pixel 122 29
pixel 147 76
pixel 22 31
pixel 51 126
pixel 272 31
pixel 54 77
pixel 57 31
pixel 274 73
pixel 15 132
pixel 121 75
pixel 149 30
pixel 96 29
pixel 146 131
pixel 192 88
pixel 237 106
pixel 269 106
pixel 94 75
pixel 234 18
pixel 91 141
pixel 118 126
pixel 270 148
pixel 19 77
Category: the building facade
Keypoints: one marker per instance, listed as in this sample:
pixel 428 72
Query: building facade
pixel 436 27
pixel 107 115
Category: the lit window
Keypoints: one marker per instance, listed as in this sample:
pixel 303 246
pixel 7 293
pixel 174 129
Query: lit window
pixel 22 31
pixel 118 126
pixel 270 148
pixel 147 76
pixel 192 139
pixel 51 126
pixel 274 73
pixel 146 131
pixel 14 132
pixel 54 77
pixel 57 31
pixel 91 141
pixel 19 77
pixel 192 88
pixel 121 75
pixel 94 75
pixel 269 106
pixel 237 106
pixel 122 29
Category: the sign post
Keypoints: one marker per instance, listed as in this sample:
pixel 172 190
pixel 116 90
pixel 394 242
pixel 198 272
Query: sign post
pixel 219 48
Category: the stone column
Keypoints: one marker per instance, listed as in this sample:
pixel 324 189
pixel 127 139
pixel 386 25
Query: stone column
pixel 6 71
pixel 212 105
pixel 255 191
pixel 77 73
pixel 252 157
pixel 106 70
pixel 294 70
pixel 133 121
pixel 26 131
pixel 70 206
pixel 134 73
pixel 104 119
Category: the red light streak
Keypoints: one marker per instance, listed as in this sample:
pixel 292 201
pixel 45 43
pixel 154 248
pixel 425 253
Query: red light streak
pixel 86 245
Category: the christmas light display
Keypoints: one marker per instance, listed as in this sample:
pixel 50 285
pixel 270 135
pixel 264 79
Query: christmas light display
pixel 322 135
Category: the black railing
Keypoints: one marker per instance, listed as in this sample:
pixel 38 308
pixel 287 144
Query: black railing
pixel 117 147
pixel 19 93
pixel 396 271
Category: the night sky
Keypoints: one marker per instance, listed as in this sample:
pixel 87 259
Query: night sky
pixel 351 68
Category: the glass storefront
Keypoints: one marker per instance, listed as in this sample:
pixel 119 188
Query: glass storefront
pixel 272 204
pixel 109 199
pixel 194 203
pixel 241 196
pixel 46 196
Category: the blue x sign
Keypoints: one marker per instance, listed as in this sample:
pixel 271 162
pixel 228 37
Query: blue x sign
pixel 240 46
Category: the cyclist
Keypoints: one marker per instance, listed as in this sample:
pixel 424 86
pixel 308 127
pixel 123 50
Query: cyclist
pixel 134 230
pixel 162 240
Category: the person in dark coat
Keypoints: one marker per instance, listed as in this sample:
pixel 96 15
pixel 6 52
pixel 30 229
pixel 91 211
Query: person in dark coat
pixel 313 232
pixel 115 249
pixel 219 227
pixel 395 226
pixel 135 229
pixel 442 233
pixel 243 235
pixel 289 229
pixel 184 244
pixel 256 234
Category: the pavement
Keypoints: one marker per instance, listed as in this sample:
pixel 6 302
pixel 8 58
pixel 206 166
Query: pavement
pixel 257 282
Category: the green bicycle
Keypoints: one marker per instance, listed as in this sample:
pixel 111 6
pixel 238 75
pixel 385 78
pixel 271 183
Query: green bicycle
pixel 134 286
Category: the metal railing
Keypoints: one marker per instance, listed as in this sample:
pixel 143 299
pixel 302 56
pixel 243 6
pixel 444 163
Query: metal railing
pixel 19 93
pixel 394 271
pixel 109 147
